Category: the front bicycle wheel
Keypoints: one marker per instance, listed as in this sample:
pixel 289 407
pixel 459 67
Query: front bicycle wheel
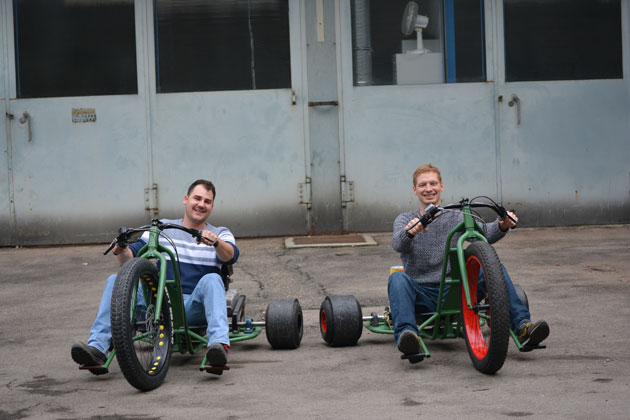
pixel 143 345
pixel 487 323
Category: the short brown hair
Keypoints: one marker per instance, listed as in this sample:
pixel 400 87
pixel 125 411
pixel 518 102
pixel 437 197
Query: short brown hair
pixel 424 169
pixel 209 186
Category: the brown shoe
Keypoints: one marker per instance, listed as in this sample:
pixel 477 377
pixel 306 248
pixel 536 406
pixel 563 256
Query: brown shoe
pixel 409 342
pixel 532 334
pixel 86 355
pixel 217 354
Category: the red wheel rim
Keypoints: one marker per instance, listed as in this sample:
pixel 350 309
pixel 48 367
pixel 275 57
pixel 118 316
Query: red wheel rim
pixel 472 325
pixel 322 321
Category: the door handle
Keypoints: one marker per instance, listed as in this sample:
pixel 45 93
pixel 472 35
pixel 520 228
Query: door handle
pixel 26 118
pixel 324 103
pixel 516 101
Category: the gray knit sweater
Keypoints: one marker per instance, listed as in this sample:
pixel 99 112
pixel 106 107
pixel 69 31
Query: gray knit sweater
pixel 422 256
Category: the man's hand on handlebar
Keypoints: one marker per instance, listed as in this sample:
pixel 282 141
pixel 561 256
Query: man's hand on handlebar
pixel 208 238
pixel 225 252
pixel 416 225
pixel 509 221
pixel 413 231
pixel 118 249
pixel 122 253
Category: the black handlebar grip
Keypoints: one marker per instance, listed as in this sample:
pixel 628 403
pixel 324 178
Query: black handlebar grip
pixel 110 247
pixel 120 240
pixel 503 214
pixel 429 212
pixel 123 237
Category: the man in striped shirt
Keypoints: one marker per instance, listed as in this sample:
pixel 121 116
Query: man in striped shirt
pixel 200 268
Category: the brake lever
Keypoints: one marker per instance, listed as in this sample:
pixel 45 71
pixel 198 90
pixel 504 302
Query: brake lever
pixel 113 244
pixel 121 239
pixel 429 214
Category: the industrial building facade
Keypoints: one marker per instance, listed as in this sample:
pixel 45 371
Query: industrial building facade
pixel 309 116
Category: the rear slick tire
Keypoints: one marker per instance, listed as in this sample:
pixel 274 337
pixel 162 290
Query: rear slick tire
pixel 284 324
pixel 486 329
pixel 143 346
pixel 340 320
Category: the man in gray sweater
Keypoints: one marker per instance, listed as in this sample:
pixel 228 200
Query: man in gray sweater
pixel 421 250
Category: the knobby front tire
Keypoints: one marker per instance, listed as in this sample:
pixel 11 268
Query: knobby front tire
pixel 143 346
pixel 487 329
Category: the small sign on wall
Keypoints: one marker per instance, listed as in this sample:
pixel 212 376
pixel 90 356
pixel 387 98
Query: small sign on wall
pixel 83 115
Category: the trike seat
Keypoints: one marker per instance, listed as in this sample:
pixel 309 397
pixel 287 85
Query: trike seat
pixel 226 272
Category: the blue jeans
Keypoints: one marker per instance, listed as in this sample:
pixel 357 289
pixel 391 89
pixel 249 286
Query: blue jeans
pixel 406 297
pixel 205 305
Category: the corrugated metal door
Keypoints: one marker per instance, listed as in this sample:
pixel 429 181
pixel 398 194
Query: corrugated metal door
pixel 393 126
pixel 77 165
pixel 563 102
pixel 247 139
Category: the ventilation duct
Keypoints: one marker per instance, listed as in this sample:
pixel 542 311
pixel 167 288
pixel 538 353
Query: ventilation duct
pixel 362 43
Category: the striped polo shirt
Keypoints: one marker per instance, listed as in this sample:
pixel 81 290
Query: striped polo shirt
pixel 195 260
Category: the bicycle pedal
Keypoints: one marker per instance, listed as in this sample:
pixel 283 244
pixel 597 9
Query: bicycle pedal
pixel 96 370
pixel 216 370
pixel 527 348
pixel 413 358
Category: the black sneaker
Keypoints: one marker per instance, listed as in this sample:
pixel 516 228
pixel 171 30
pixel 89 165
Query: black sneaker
pixel 533 333
pixel 216 355
pixel 409 343
pixel 86 355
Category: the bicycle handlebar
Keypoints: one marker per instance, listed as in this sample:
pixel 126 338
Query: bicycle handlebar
pixel 431 210
pixel 498 208
pixel 126 235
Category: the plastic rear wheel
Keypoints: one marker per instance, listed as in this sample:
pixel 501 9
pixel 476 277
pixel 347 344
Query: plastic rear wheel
pixel 340 320
pixel 143 345
pixel 486 326
pixel 284 323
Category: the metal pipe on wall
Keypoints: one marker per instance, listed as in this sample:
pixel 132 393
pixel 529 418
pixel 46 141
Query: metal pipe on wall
pixel 362 43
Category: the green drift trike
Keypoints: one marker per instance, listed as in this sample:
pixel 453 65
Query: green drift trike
pixel 148 319
pixel 483 319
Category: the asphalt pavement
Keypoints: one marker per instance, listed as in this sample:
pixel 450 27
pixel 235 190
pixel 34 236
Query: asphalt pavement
pixel 576 278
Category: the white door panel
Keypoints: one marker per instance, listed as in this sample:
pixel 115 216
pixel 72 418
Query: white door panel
pixel 565 144
pixel 75 182
pixel 249 143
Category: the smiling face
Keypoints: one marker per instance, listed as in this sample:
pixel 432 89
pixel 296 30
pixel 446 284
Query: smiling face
pixel 198 204
pixel 428 188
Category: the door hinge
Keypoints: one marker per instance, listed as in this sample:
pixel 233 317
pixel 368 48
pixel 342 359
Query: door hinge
pixel 347 191
pixel 304 192
pixel 151 197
